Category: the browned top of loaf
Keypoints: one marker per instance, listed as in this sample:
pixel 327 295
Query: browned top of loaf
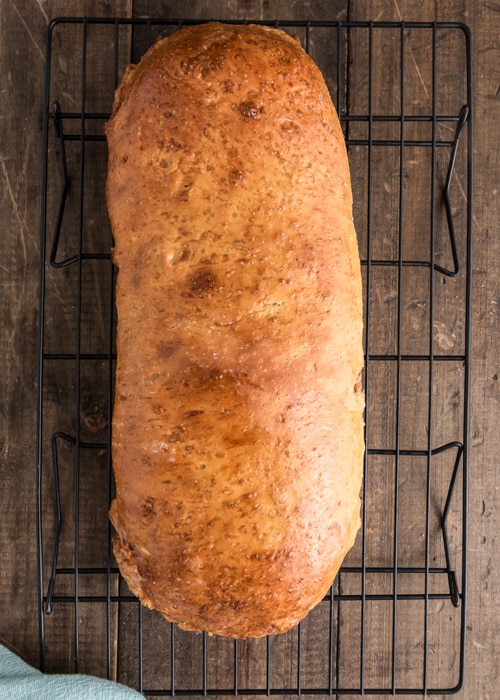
pixel 237 433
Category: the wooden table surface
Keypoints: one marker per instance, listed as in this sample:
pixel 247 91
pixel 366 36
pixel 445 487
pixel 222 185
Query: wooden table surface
pixel 22 50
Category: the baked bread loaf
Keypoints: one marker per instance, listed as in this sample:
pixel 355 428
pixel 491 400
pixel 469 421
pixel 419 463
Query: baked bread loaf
pixel 237 425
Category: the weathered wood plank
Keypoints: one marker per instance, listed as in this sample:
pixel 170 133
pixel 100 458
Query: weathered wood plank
pixel 484 618
pixel 414 312
pixel 23 30
pixel 81 636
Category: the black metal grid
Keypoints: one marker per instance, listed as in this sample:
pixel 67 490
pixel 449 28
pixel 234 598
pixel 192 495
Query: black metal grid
pixel 416 264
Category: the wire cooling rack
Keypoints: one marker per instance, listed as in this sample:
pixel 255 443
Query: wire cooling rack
pixel 394 620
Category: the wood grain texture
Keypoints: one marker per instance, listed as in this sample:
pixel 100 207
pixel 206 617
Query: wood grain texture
pixel 23 27
pixel 23 35
pixel 483 618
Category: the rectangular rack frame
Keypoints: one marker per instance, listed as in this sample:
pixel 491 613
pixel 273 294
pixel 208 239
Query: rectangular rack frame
pixel 408 590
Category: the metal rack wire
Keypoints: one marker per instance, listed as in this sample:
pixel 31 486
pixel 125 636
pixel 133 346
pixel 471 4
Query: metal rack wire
pixel 405 134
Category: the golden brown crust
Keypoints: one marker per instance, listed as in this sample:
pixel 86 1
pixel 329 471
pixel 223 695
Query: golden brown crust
pixel 237 427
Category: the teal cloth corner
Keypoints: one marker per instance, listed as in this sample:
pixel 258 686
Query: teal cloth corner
pixel 19 681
